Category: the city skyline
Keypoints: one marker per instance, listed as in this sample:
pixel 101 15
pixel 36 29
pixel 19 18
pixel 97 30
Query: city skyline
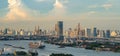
pixel 58 30
pixel 26 14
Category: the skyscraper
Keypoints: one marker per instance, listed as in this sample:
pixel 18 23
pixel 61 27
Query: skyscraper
pixel 56 30
pixel 94 32
pixel 6 31
pixel 87 32
pixel 60 29
pixel 107 33
pixel 101 33
pixel 78 30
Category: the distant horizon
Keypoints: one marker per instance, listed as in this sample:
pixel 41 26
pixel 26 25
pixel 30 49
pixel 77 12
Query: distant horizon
pixel 52 27
pixel 26 14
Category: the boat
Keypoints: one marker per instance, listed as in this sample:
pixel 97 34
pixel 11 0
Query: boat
pixel 18 47
pixel 7 45
pixel 43 46
pixel 14 46
pixel 61 46
pixel 37 45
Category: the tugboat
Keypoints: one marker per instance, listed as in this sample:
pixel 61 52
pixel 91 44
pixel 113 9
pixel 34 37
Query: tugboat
pixel 37 45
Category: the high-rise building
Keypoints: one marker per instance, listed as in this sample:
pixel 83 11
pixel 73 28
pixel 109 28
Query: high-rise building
pixel 37 30
pixel 87 32
pixel 101 34
pixel 78 30
pixel 94 32
pixel 56 30
pixel 82 33
pixel 22 32
pixel 69 32
pixel 60 30
pixel 107 33
pixel 5 31
pixel 114 33
pixel 75 31
pixel 1 33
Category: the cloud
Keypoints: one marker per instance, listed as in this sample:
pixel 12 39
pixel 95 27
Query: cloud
pixel 15 10
pixel 18 11
pixel 91 12
pixel 93 6
pixel 40 0
pixel 107 6
pixel 58 4
pixel 66 1
pixel 58 10
pixel 87 14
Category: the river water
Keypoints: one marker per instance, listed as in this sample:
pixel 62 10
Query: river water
pixel 54 49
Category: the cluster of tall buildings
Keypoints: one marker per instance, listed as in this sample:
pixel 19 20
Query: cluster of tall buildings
pixel 11 32
pixel 59 31
pixel 91 32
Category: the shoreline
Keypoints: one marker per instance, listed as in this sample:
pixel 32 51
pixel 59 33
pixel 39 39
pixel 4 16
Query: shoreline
pixel 98 48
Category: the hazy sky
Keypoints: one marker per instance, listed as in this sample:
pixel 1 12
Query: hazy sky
pixel 104 14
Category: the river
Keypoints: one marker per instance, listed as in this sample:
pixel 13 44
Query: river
pixel 54 49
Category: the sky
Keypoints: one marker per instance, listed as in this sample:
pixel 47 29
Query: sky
pixel 26 14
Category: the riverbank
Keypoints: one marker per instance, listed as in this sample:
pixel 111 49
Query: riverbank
pixel 106 46
pixel 98 46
